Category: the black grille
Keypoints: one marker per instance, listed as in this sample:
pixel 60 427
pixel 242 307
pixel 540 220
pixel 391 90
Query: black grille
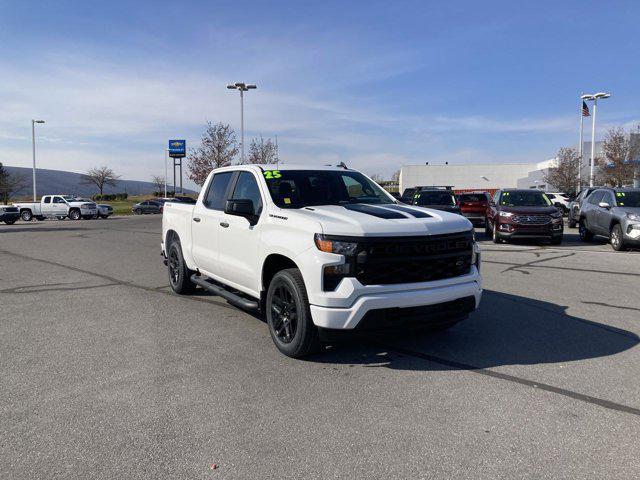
pixel 389 260
pixel 532 219
pixel 11 209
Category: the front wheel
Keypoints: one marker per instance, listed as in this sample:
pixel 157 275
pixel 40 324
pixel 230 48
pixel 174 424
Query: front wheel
pixel 617 241
pixel 572 223
pixel 556 240
pixel 26 215
pixel 75 215
pixel 179 274
pixel 289 316
pixel 487 227
pixel 138 211
pixel 9 222
pixel 496 235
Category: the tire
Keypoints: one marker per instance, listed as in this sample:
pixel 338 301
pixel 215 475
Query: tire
pixel 572 222
pixel 616 238
pixel 495 235
pixel 556 240
pixel 75 215
pixel 583 231
pixel 26 215
pixel 61 218
pixel 9 222
pixel 179 274
pixel 288 315
pixel 487 227
pixel 138 211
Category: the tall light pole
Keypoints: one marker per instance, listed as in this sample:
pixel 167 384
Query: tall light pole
pixel 242 87
pixel 33 144
pixel 595 97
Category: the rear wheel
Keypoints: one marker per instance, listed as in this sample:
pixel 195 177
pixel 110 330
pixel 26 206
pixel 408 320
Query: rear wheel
pixel 179 274
pixel 583 231
pixel 26 215
pixel 617 241
pixel 9 222
pixel 289 316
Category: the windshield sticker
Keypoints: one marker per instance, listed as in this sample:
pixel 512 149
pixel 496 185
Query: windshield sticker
pixel 271 174
pixel 287 201
pixel 620 194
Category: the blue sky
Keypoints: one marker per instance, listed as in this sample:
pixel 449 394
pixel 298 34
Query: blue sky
pixel 374 84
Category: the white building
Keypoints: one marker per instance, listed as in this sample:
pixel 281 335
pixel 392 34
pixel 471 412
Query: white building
pixel 487 176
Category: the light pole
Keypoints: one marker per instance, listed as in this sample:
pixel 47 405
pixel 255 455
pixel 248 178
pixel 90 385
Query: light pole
pixel 595 97
pixel 242 87
pixel 33 144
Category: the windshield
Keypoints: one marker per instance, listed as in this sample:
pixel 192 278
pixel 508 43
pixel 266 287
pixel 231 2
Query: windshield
pixel 302 188
pixel 524 199
pixel 69 198
pixel 628 199
pixel 472 198
pixel 436 198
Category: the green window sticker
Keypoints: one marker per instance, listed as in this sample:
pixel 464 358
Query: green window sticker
pixel 272 174
pixel 620 194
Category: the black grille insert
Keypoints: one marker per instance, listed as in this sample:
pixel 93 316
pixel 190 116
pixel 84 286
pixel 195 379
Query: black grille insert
pixel 391 260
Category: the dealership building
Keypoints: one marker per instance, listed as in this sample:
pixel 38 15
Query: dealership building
pixel 486 176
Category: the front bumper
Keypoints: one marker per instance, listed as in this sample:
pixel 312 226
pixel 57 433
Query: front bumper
pixel 363 299
pixel 513 230
pixel 631 232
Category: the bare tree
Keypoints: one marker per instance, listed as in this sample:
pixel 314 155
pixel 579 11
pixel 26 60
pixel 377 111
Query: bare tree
pixel 396 176
pixel 10 184
pixel 376 177
pixel 218 148
pixel 564 174
pixel 100 177
pixel 617 166
pixel 158 182
pixel 262 151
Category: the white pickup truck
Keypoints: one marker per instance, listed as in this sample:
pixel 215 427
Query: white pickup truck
pixel 320 249
pixel 57 206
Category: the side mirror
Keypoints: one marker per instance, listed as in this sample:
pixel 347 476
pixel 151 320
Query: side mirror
pixel 241 208
pixel 604 205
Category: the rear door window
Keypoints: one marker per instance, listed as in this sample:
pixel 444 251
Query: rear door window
pixel 47 199
pixel 217 193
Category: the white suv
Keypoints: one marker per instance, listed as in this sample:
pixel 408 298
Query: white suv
pixel 320 249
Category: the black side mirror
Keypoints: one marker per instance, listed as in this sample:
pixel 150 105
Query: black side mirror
pixel 241 208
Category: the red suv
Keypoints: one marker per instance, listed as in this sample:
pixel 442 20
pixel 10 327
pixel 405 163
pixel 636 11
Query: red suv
pixel 530 214
pixel 474 206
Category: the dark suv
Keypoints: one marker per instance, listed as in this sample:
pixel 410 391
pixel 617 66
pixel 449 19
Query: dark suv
pixel 514 213
pixel 573 216
pixel 437 199
pixel 613 213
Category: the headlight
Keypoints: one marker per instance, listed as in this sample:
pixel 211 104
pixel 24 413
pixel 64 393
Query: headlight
pixel 556 215
pixel 506 214
pixel 633 216
pixel 326 244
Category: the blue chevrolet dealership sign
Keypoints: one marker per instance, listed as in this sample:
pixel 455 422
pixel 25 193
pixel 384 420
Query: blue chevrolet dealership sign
pixel 177 148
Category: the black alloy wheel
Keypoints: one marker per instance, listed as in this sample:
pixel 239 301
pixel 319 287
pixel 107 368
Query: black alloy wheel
pixel 284 313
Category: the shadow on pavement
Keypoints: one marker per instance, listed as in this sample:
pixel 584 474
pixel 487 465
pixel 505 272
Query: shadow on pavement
pixel 505 330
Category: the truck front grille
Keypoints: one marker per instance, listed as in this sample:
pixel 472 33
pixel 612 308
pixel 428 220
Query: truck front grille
pixel 390 260
pixel 10 209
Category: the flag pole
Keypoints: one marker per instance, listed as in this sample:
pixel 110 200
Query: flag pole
pixel 580 145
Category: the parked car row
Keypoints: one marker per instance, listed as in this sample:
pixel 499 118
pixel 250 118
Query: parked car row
pixel 156 205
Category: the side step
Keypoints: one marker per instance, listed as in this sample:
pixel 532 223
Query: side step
pixel 232 298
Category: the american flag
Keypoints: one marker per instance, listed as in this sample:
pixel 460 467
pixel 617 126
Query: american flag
pixel 585 110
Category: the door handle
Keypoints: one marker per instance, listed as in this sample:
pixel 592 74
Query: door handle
pixel 196 219
pixel 224 224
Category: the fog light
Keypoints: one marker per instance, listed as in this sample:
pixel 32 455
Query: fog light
pixel 505 227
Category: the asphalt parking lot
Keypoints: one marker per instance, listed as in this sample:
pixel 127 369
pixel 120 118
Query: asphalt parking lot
pixel 107 374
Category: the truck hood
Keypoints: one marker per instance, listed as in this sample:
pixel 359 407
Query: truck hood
pixel 381 220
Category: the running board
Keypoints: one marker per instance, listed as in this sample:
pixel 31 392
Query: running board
pixel 232 298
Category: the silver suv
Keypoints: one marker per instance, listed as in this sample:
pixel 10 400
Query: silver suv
pixel 613 213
